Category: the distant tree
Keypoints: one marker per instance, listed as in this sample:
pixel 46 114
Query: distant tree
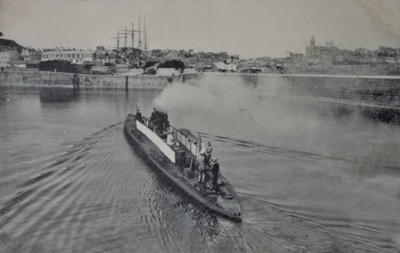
pixel 172 64
pixel 149 64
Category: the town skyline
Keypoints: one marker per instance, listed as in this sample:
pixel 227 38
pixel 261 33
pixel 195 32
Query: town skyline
pixel 246 28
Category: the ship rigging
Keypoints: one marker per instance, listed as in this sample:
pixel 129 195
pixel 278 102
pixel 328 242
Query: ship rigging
pixel 131 57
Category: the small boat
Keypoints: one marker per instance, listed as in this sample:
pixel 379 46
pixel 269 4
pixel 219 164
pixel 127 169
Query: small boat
pixel 182 162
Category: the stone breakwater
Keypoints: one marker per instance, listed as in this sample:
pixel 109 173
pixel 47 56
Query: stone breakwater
pixel 54 79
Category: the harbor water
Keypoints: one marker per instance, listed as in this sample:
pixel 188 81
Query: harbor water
pixel 310 179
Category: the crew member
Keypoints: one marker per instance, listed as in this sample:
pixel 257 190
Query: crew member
pixel 214 173
pixel 208 153
pixel 139 116
pixel 201 177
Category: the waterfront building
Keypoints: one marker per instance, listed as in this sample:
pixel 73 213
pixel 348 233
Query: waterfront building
pixel 4 58
pixel 74 56
pixel 209 56
pixel 157 53
pixel 172 54
pixel 25 55
pixel 295 56
pixel 35 54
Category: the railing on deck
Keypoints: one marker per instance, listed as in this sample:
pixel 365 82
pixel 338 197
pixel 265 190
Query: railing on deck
pixel 190 145
pixel 193 147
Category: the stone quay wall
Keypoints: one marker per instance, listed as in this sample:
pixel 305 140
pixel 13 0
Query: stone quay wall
pixel 376 97
pixel 54 79
pixel 374 90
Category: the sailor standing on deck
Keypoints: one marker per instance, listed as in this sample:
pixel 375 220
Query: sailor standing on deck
pixel 214 173
pixel 208 153
pixel 139 116
pixel 201 177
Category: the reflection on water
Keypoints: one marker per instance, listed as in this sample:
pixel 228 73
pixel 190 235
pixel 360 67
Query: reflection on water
pixel 49 95
pixel 2 93
pixel 308 181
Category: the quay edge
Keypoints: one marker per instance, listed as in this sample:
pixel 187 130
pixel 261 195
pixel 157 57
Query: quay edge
pixel 86 81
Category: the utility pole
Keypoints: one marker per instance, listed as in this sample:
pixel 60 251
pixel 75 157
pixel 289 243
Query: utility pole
pixel 132 36
pixel 125 36
pixel 140 45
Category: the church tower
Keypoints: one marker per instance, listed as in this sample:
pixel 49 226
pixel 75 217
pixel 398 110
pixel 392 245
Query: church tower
pixel 310 51
pixel 312 42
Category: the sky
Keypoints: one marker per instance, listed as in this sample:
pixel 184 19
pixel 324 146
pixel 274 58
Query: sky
pixel 249 28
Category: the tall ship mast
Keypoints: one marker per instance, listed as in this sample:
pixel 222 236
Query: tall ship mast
pixel 130 56
pixel 140 41
pixel 145 35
